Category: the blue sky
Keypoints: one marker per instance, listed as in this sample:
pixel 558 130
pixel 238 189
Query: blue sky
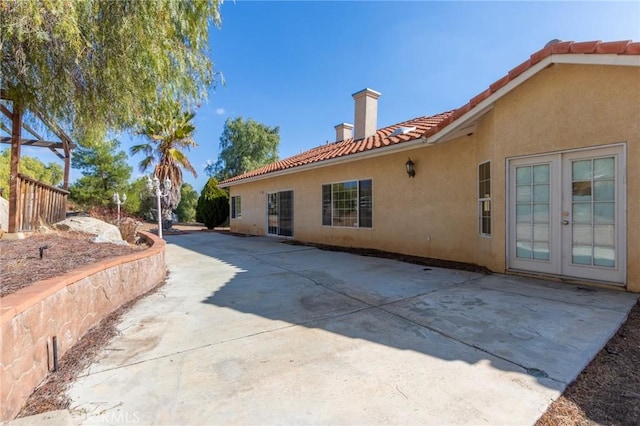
pixel 296 64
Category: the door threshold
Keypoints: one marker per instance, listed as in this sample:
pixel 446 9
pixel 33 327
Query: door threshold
pixel 568 280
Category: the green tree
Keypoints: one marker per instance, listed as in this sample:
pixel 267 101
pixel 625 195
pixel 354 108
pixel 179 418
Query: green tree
pixel 213 205
pixel 103 63
pixel 186 210
pixel 105 171
pixel 244 146
pixel 51 173
pixel 139 199
pixel 168 135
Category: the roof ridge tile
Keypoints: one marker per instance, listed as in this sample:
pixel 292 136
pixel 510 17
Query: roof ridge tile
pixel 560 47
pixel 613 46
pixel 584 46
pixel 632 48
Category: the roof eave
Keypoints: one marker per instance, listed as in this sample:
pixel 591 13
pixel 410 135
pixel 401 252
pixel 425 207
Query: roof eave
pixel 452 130
pixel 404 146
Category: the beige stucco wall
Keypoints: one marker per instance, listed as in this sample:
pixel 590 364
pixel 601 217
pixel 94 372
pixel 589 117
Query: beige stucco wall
pixel 567 107
pixel 435 214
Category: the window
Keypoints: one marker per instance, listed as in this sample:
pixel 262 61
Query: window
pixel 236 207
pixel 348 204
pixel 484 198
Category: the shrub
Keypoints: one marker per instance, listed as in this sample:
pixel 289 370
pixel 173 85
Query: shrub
pixel 213 205
pixel 186 209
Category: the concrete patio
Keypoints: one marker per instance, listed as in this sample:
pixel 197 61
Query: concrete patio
pixel 254 331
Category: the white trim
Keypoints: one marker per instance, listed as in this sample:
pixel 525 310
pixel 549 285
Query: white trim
pixel 481 200
pixel 597 59
pixel 357 181
pixel 620 199
pixel 234 208
pixel 567 151
pixel 553 264
pixel 406 146
pixel 564 270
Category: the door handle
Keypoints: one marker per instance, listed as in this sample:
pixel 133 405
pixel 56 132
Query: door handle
pixel 565 222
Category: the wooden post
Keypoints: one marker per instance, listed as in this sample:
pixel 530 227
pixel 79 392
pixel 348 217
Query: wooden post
pixel 67 160
pixel 14 181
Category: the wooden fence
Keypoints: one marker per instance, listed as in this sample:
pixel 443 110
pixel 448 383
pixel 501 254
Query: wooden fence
pixel 39 204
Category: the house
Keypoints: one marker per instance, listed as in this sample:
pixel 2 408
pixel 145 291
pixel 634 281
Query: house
pixel 537 174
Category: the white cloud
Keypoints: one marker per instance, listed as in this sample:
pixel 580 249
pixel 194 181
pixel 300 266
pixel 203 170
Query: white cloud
pixel 220 111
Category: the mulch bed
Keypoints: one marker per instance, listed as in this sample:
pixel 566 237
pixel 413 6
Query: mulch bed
pixel 62 251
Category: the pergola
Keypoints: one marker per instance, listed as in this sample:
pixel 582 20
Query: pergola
pixel 31 201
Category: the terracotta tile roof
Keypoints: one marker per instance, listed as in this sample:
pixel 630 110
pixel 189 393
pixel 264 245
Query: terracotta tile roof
pixel 350 146
pixel 428 126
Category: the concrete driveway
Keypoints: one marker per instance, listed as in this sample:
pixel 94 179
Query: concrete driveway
pixel 254 331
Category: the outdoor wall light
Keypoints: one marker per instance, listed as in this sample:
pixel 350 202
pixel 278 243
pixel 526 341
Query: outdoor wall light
pixel 409 166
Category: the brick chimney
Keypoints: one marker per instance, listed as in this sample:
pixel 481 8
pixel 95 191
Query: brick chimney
pixel 366 114
pixel 344 131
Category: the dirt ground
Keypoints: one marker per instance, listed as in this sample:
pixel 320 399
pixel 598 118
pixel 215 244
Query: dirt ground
pixel 607 392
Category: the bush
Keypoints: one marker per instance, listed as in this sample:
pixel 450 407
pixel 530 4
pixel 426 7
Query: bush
pixel 213 205
pixel 186 210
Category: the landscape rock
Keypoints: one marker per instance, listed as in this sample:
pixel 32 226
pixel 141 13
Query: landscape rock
pixel 4 214
pixel 104 232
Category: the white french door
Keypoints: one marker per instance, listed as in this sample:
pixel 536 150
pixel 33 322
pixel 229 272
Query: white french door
pixel 567 214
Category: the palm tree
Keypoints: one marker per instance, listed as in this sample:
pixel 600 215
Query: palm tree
pixel 169 135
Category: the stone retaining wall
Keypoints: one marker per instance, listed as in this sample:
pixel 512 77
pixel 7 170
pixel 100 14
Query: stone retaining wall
pixel 67 307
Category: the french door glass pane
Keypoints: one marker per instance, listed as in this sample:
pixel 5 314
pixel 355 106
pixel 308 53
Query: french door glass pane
pixel 604 256
pixel 541 251
pixel 582 234
pixel 582 255
pixel 604 235
pixel 523 231
pixel 581 191
pixel 541 232
pixel 581 170
pixel 604 212
pixel 604 168
pixel 524 249
pixel 541 173
pixel 523 194
pixel 523 213
pixel 604 190
pixel 582 212
pixel 593 209
pixel 523 175
pixel 541 212
pixel 532 212
pixel 541 193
